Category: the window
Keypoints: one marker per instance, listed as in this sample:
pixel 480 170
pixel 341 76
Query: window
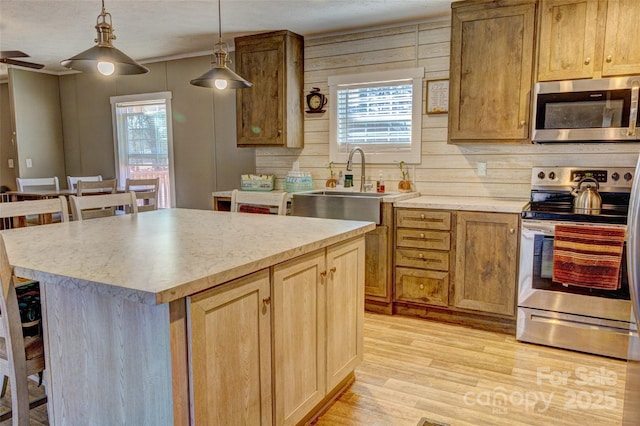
pixel 143 141
pixel 380 112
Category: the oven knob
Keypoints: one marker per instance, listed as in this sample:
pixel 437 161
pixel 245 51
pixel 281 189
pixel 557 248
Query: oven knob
pixel 541 175
pixel 627 176
pixel 615 176
pixel 552 175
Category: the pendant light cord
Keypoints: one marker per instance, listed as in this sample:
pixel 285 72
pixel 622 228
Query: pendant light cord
pixel 219 22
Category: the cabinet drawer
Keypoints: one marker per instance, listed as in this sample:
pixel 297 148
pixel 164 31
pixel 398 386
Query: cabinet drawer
pixel 417 285
pixel 423 219
pixel 415 238
pixel 423 259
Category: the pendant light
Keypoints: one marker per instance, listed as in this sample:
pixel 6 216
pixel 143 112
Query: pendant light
pixel 220 76
pixel 104 58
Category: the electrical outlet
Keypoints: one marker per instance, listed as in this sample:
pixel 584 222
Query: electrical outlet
pixel 29 163
pixel 11 163
pixel 482 168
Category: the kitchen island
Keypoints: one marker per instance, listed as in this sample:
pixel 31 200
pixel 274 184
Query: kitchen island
pixel 146 316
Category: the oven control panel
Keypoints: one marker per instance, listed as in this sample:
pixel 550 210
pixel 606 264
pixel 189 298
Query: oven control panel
pixel 608 178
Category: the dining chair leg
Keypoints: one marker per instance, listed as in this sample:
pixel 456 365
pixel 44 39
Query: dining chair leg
pixel 5 382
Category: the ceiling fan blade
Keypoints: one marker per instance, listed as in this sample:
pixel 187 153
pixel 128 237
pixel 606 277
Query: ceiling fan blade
pixel 12 54
pixel 21 63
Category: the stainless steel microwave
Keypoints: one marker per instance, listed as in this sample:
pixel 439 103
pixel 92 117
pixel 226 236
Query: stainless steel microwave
pixel 596 110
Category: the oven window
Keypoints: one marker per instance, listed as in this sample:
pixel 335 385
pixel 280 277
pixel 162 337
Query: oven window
pixel 543 271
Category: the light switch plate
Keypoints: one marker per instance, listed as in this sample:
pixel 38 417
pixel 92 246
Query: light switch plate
pixel 29 163
pixel 10 163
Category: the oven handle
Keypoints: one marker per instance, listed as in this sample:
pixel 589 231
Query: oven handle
pixel 633 111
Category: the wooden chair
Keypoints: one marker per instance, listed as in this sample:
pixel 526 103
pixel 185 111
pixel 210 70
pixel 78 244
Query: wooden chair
pixel 259 202
pixel 146 191
pixel 43 208
pixel 102 205
pixel 91 187
pixel 72 181
pixel 24 184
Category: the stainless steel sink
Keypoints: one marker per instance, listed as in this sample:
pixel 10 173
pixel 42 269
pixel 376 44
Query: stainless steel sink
pixel 338 205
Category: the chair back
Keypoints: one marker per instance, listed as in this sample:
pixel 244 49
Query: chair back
pixel 259 202
pixel 72 181
pixel 25 184
pixel 102 205
pixel 48 206
pixel 19 357
pixel 146 192
pixel 94 187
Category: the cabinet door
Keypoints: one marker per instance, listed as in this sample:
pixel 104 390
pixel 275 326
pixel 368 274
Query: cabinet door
pixel 377 260
pixel 486 262
pixel 567 39
pixel 230 330
pixel 345 309
pixel 298 337
pixel 260 109
pixel 621 53
pixel 491 72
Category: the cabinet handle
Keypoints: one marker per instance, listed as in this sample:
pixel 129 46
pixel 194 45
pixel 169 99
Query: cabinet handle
pixel 422 216
pixel 522 123
pixel 609 58
pixel 421 235
pixel 279 133
pixel 323 274
pixel 512 231
pixel 333 270
pixel 266 301
pixel 421 286
pixel 421 256
pixel 587 61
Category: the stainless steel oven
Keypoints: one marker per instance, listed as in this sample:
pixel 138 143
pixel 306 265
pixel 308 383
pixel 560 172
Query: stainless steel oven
pixel 579 318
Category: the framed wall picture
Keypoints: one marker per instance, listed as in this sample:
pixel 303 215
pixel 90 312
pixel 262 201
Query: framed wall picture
pixel 438 96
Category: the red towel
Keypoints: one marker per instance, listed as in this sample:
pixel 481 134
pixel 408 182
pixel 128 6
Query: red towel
pixel 588 256
pixel 247 208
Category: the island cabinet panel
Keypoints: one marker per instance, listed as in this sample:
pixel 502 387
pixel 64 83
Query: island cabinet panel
pixel 270 113
pixel 491 71
pixel 298 337
pixel 233 379
pixel 90 383
pixel 486 262
pixel 588 39
pixel 318 317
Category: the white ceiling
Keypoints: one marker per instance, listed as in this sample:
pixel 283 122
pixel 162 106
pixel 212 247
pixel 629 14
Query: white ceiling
pixel 50 31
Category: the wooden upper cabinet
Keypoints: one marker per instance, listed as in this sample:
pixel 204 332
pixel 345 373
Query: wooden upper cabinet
pixel 491 71
pixel 621 54
pixel 270 113
pixel 588 39
pixel 567 46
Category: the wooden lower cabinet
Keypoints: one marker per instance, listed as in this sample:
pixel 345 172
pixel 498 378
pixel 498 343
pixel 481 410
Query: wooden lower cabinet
pixel 318 314
pixel 457 266
pixel 378 282
pixel 231 352
pixel 486 262
pixel 277 345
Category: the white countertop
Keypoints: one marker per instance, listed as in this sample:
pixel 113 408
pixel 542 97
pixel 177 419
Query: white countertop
pixel 159 256
pixel 390 197
pixel 483 204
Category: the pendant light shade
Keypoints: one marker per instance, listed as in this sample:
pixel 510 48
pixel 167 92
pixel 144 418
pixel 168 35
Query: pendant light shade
pixel 104 58
pixel 220 76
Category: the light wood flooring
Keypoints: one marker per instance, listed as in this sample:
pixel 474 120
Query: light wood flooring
pixel 417 369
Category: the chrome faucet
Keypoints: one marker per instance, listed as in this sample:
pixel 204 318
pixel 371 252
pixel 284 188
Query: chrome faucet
pixel 350 165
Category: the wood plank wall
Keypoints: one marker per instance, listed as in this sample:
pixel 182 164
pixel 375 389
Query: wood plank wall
pixel 445 169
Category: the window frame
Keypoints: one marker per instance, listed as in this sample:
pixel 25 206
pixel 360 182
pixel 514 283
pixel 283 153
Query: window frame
pixel 416 77
pixel 144 97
